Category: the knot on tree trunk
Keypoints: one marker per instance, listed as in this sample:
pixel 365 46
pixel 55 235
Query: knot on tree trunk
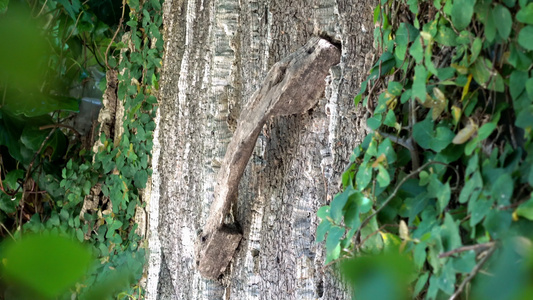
pixel 292 86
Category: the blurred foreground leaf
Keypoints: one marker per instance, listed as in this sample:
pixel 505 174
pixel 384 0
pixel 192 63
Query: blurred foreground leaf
pixel 47 264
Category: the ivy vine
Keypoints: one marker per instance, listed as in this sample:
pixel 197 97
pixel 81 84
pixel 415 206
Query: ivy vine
pixel 439 193
pixel 46 159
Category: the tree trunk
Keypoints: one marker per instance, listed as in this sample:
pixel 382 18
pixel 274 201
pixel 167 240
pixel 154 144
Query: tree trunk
pixel 217 53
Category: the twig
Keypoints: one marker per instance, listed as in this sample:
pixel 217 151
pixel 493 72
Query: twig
pixel 8 232
pixel 473 273
pixel 467 248
pixel 61 126
pixel 42 8
pixel 412 121
pixel 28 174
pixel 116 32
pixel 406 143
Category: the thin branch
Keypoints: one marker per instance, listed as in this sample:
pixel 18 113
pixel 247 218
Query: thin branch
pixel 8 232
pixel 406 143
pixel 42 8
pixel 116 32
pixel 473 273
pixel 483 247
pixel 28 174
pixel 61 126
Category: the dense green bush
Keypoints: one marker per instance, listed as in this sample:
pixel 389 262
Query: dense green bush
pixel 444 178
pixel 46 170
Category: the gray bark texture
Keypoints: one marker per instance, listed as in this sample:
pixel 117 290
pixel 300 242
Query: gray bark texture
pixel 217 54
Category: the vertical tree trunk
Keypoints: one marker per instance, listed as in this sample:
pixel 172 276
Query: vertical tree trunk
pixel 217 54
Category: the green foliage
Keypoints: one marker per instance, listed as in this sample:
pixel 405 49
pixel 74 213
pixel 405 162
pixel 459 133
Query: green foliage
pixel 57 265
pixel 445 175
pixel 46 175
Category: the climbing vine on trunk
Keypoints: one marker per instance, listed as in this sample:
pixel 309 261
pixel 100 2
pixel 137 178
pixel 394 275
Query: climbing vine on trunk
pixel 441 187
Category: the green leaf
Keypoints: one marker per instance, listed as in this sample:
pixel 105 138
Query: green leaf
pixel 419 256
pixel 363 177
pixel 419 83
pixel 335 234
pixel 413 6
pixel 33 104
pixel 3 5
pixel 11 179
pixel 446 36
pixel 385 147
pixel 428 138
pixel 518 58
pixel 517 83
pixel 8 204
pixel 529 88
pixel 462 11
pixel 481 70
pixel 465 263
pixel 140 178
pixel 374 243
pixel 524 37
pixel 505 20
pixel 502 189
pixel 58 264
pixel 421 283
pixel 322 229
pixel 509 3
pixel 385 63
pixel 416 51
pixel 323 212
pixel 475 50
pixel 450 233
pixel 490 27
pixel 390 119
pixel 338 203
pixel 402 33
pixel 496 83
pixel 478 209
pixel 525 14
pixel 497 223
pixel 87 187
pixel 374 122
pixel 526 209
pixel 395 88
pixel 383 177
pixel 442 192
pixel 446 279
pixel 485 131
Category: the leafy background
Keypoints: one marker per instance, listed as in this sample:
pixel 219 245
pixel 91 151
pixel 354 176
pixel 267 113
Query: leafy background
pixel 48 169
pixel 437 200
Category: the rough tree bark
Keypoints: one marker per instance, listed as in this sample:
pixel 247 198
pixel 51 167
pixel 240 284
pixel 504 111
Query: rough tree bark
pixel 217 53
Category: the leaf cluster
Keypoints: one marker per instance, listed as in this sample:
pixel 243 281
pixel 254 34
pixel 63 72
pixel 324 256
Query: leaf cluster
pixel 444 176
pixel 63 183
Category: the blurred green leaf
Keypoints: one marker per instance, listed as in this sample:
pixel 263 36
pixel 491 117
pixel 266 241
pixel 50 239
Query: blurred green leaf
pixel 525 14
pixel 322 229
pixel 524 37
pixel 57 265
pixel 23 50
pixel 462 11
pixel 505 20
pixel 3 5
pixel 526 209
pixel 335 234
pixel 383 276
pixel 338 203
pixel 419 83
